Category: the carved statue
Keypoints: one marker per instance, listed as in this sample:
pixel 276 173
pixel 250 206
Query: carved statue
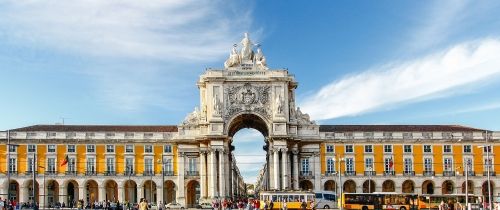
pixel 303 119
pixel 193 118
pixel 234 58
pixel 246 52
pixel 216 104
pixel 260 60
pixel 279 105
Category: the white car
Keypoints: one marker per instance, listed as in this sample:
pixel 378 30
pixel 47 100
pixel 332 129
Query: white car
pixel 152 206
pixel 174 206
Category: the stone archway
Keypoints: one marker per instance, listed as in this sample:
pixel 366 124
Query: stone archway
pixel 447 187
pixel 349 186
pixel 28 184
pixel 330 185
pixel 149 190
pixel 368 186
pixel 484 190
pixel 52 193
pixel 192 194
pixel 428 187
pixel 130 188
pixel 72 193
pixel 13 193
pixel 91 191
pixel 408 186
pixel 306 185
pixel 470 187
pixel 169 195
pixel 388 186
pixel 111 189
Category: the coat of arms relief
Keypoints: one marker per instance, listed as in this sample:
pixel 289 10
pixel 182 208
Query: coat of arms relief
pixel 247 98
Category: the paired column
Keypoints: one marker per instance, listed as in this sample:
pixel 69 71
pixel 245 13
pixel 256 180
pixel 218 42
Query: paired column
pixel 212 178
pixel 81 193
pixel 62 194
pixel 121 194
pixel 102 193
pixel 276 167
pixel 203 175
pixel 222 175
pixel 180 177
pixel 317 171
pixel 140 192
pixel 284 166
pixel 295 169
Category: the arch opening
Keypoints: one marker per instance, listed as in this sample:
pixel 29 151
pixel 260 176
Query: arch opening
pixel 247 121
pixel 130 191
pixel 72 193
pixel 169 195
pixel 447 187
pixel 192 194
pixel 349 186
pixel 330 185
pixel 427 187
pixel 111 190
pixel 408 186
pixel 388 186
pixel 52 193
pixel 368 186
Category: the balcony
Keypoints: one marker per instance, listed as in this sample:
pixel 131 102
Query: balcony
pixel 90 173
pixel 330 173
pixel 192 173
pixel 70 173
pixel 50 172
pixel 110 173
pixel 168 173
pixel 12 173
pixel 428 173
pixel 389 173
pixel 370 173
pixel 469 173
pixel 148 173
pixel 350 173
pixel 449 173
pixel 129 173
pixel 306 175
pixel 29 173
pixel 408 173
pixel 492 173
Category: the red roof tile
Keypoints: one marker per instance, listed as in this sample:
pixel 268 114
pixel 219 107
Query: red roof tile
pixel 100 128
pixel 396 128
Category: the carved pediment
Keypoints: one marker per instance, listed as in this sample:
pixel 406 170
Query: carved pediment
pixel 247 98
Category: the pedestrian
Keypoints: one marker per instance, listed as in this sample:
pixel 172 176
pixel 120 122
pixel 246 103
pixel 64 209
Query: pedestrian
pixel 303 205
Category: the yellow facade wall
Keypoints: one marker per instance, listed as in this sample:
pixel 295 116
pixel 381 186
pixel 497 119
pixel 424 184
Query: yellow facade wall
pixel 120 158
pixel 437 150
pixel 378 158
pixel 418 159
pixel 322 151
pixel 478 159
pixel 22 159
pixel 3 158
pixel 61 154
pixel 398 158
pixel 80 158
pixel 359 159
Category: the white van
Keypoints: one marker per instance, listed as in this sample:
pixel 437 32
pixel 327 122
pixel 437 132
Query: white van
pixel 326 200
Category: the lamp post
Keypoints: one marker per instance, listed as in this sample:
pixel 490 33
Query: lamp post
pixel 43 186
pixel 370 179
pixel 488 148
pixel 340 179
pixel 467 185
pixel 162 178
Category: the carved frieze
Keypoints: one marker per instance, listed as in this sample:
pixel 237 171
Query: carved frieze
pixel 247 98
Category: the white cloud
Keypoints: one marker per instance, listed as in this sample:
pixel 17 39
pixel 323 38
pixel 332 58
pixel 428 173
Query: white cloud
pixel 166 30
pixel 434 75
pixel 248 135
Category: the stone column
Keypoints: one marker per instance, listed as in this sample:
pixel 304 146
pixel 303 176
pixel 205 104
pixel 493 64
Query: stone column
pixel 180 178
pixel 276 166
pixel 102 192
pixel 317 171
pixel 121 194
pixel 284 164
pixel 295 169
pixel 63 194
pixel 23 194
pixel 203 175
pixel 212 177
pixel 41 194
pixel 222 177
pixel 81 194
pixel 140 192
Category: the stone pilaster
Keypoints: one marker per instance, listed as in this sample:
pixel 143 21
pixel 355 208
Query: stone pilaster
pixel 276 169
pixel 180 178
pixel 284 166
pixel 203 174
pixel 295 169
pixel 222 175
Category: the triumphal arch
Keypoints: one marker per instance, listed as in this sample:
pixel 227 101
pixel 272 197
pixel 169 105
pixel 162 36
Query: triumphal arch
pixel 246 93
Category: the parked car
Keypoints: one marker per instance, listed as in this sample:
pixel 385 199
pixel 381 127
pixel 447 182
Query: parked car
pixel 204 206
pixel 174 206
pixel 153 206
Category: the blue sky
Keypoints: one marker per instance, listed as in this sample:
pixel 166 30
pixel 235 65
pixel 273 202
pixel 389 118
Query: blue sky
pixel 363 62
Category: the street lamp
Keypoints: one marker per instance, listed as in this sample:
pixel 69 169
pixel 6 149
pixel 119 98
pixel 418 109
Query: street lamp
pixel 339 172
pixel 43 185
pixel 488 165
pixel 162 178
pixel 370 169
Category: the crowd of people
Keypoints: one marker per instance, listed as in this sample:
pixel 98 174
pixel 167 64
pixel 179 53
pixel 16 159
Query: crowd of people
pixel 253 204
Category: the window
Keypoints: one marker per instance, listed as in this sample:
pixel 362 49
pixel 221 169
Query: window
pixel 488 163
pixel 129 135
pixel 305 165
pixel 31 148
pixel 51 148
pixel 387 135
pixel 407 135
pixel 192 164
pixel 110 148
pixel 448 164
pixel 487 149
pixel 428 164
pixel 368 148
pixel 447 148
pixel 447 135
pixel 148 165
pixel 349 164
pixel 407 149
pixel 12 148
pixel 110 135
pixel 90 148
pixel 167 148
pixel 168 165
pixel 330 165
pixel 427 148
pixel 427 135
pixel 30 168
pixel 468 164
pixel 71 148
pixel 369 164
pixel 91 164
pixel 349 148
pixel 408 167
pixel 129 165
pixel 467 148
pixel 110 164
pixel 388 148
pixel 51 134
pixel 148 148
pixel 388 164
pixel 129 148
pixel 51 165
pixel 71 165
pixel 368 135
pixel 148 135
pixel 12 164
pixel 330 148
